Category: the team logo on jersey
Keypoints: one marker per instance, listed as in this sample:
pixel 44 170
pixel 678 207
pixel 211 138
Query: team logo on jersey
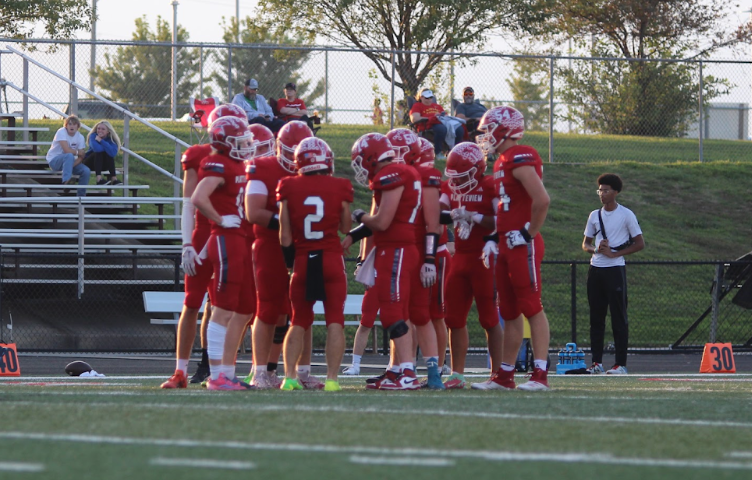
pixel 214 167
pixel 467 198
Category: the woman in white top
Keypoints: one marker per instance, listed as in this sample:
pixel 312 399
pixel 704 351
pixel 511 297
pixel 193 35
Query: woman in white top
pixel 67 153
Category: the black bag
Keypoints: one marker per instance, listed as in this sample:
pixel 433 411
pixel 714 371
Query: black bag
pixel 624 245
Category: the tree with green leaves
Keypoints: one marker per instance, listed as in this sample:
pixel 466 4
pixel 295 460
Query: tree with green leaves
pixel 259 56
pixel 433 28
pixel 59 18
pixel 529 87
pixel 642 95
pixel 141 75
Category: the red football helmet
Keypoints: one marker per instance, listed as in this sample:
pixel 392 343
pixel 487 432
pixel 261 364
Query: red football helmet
pixel 367 152
pixel 427 154
pixel 226 110
pixel 406 145
pixel 263 140
pixel 498 124
pixel 230 136
pixel 313 154
pixel 465 167
pixel 291 134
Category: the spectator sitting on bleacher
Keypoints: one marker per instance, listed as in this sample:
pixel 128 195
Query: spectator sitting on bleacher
pixel 256 108
pixel 104 145
pixel 426 108
pixel 470 110
pixel 292 107
pixel 67 153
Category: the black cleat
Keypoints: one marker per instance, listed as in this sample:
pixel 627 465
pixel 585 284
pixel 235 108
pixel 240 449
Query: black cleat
pixel 202 373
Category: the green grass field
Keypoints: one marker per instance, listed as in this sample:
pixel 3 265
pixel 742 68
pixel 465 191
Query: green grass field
pixel 648 427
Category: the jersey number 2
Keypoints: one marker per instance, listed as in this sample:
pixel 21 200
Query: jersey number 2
pixel 311 218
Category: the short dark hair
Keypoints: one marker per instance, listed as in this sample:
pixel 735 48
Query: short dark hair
pixel 612 180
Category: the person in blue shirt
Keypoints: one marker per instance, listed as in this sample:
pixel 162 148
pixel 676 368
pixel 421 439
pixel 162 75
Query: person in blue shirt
pixel 256 107
pixel 104 145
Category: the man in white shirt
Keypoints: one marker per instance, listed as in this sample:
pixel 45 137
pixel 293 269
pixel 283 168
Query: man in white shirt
pixel 67 153
pixel 256 107
pixel 611 233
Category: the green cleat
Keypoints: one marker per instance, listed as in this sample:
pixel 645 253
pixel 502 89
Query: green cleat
pixel 249 378
pixel 205 382
pixel 291 384
pixel 332 386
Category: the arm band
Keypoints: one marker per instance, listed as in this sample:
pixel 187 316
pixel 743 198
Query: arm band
pixel 432 244
pixel 494 237
pixel 360 232
pixel 289 253
pixel 525 234
pixel 273 222
pixel 187 220
pixel 445 217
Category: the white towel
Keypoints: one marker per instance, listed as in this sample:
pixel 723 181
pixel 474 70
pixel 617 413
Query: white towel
pixel 367 272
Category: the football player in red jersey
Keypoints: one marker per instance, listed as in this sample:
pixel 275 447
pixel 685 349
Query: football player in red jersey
pixel 520 213
pixel 314 205
pixel 435 257
pixel 195 232
pixel 273 302
pixel 396 192
pixel 219 197
pixel 469 194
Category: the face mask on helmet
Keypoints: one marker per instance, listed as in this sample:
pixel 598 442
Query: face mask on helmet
pixel 462 182
pixel 367 152
pixel 263 140
pixel 288 139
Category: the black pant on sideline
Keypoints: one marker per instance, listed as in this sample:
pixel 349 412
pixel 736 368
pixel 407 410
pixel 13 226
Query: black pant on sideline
pixel 97 160
pixel 607 288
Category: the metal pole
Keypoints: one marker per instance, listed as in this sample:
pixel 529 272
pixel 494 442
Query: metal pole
pixel 717 287
pixel 174 83
pixel 237 17
pixel 80 269
pixel 701 127
pixel 93 61
pixel 25 98
pixel 126 144
pixel 201 70
pixel 573 280
pixel 229 73
pixel 73 91
pixel 391 116
pixel 326 85
pixel 551 111
pixel 451 83
pixel 177 187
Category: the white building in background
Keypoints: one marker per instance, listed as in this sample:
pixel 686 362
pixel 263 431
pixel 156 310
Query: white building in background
pixel 724 121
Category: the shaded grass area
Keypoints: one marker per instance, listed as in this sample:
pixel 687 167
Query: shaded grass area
pixel 652 429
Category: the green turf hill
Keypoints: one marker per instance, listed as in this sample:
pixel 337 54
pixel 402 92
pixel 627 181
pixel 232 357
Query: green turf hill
pixel 688 210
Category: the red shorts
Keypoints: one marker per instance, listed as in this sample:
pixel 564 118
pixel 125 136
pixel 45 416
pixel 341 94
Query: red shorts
pixel 272 281
pixel 196 286
pixel 229 260
pixel 427 304
pixel 335 285
pixel 518 279
pixel 247 300
pixel 396 272
pixel 437 307
pixel 370 308
pixel 468 278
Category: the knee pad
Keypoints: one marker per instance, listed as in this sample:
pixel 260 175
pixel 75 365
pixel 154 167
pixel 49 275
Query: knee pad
pixel 279 334
pixel 397 330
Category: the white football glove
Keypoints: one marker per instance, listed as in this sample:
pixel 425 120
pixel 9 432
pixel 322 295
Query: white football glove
pixel 428 275
pixel 357 215
pixel 461 214
pixel 230 221
pixel 490 248
pixel 516 238
pixel 190 259
pixel 463 229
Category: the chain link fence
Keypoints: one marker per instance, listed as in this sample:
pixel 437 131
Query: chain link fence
pixel 673 305
pixel 702 99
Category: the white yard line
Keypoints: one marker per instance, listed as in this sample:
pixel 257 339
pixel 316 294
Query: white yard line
pixel 21 467
pixel 739 454
pixel 402 461
pixel 212 463
pixel 251 408
pixel 584 457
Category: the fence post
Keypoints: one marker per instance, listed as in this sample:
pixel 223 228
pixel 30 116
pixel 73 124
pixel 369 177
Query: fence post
pixel 717 288
pixel 229 73
pixel 73 96
pixel 702 109
pixel 573 280
pixel 25 99
pixel 551 111
pixel 201 71
pixel 391 116
pixel 326 86
pixel 177 190
pixel 80 269
pixel 126 144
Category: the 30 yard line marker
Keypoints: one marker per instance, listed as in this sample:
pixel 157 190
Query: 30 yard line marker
pixel 212 463
pixel 21 467
pixel 402 461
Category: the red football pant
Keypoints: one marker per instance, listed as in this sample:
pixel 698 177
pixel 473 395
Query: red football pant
pixel 196 286
pixel 518 279
pixel 468 278
pixel 335 286
pixel 396 272
pixel 227 254
pixel 272 281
